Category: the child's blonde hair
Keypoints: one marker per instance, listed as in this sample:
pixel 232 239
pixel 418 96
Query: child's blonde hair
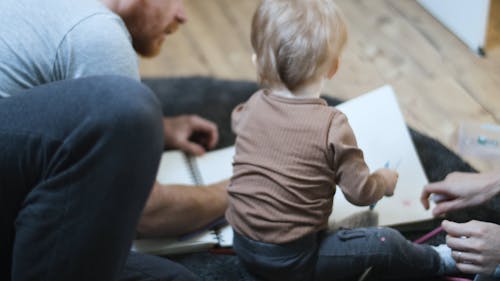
pixel 296 41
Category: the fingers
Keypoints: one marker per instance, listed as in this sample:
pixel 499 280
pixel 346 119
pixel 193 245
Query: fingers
pixel 389 191
pixel 190 133
pixel 461 244
pixel 207 127
pixel 435 187
pixel 391 178
pixel 469 268
pixel 392 183
pixel 465 257
pixel 192 148
pixel 424 198
pixel 472 246
pixel 459 229
pixel 446 206
pixel 470 263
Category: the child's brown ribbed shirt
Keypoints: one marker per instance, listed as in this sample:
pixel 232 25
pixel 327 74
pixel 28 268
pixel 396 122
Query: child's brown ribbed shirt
pixel 290 154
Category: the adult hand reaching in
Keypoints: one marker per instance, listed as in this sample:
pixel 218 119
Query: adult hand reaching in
pixel 461 190
pixel 190 133
pixel 474 245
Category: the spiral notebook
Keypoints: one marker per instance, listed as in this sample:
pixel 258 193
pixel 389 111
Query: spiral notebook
pixel 220 237
pixel 179 168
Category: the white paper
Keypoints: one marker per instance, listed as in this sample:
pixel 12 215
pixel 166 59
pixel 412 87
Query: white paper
pixel 384 138
pixel 216 165
pixel 225 235
pixel 174 169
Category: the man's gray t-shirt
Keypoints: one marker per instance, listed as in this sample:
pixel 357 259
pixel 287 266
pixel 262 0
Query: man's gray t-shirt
pixel 51 40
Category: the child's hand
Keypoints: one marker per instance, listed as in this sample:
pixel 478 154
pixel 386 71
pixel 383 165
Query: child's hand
pixel 391 178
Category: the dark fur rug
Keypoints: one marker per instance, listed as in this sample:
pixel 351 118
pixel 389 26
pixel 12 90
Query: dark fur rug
pixel 214 99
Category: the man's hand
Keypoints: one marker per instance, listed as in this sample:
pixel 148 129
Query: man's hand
pixel 190 133
pixel 461 190
pixel 475 245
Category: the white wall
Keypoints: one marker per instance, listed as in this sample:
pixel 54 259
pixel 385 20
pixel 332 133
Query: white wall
pixel 468 19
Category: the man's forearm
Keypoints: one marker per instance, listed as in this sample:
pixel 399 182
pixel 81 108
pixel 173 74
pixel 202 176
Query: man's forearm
pixel 175 210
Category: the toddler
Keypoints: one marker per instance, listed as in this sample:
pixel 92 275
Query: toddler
pixel 292 150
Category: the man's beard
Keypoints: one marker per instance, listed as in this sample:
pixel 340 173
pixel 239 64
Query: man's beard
pixel 147 48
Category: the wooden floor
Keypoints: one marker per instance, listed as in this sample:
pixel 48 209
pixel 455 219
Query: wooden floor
pixel 494 26
pixel 439 82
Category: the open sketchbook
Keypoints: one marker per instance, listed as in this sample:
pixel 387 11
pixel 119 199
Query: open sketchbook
pixel 382 135
pixel 179 168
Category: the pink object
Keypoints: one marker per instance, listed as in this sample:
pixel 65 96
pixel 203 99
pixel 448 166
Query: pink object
pixel 428 235
pixel 449 278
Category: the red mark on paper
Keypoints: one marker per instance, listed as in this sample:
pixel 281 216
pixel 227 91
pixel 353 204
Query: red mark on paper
pixel 406 203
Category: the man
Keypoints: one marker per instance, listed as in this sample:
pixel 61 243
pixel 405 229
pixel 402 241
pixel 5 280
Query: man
pixel 176 209
pixel 78 157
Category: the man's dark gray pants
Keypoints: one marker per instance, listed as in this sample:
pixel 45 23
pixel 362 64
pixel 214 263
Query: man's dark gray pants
pixel 77 161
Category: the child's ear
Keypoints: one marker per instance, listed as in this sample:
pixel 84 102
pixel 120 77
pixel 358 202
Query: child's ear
pixel 333 69
pixel 254 59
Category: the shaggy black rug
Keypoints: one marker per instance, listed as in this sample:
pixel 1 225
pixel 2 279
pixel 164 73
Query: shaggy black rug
pixel 214 99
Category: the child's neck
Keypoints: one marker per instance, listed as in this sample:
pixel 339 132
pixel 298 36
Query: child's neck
pixel 312 90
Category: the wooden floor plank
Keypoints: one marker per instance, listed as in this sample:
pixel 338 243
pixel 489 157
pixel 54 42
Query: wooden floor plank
pixel 471 71
pixel 415 69
pixel 493 37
